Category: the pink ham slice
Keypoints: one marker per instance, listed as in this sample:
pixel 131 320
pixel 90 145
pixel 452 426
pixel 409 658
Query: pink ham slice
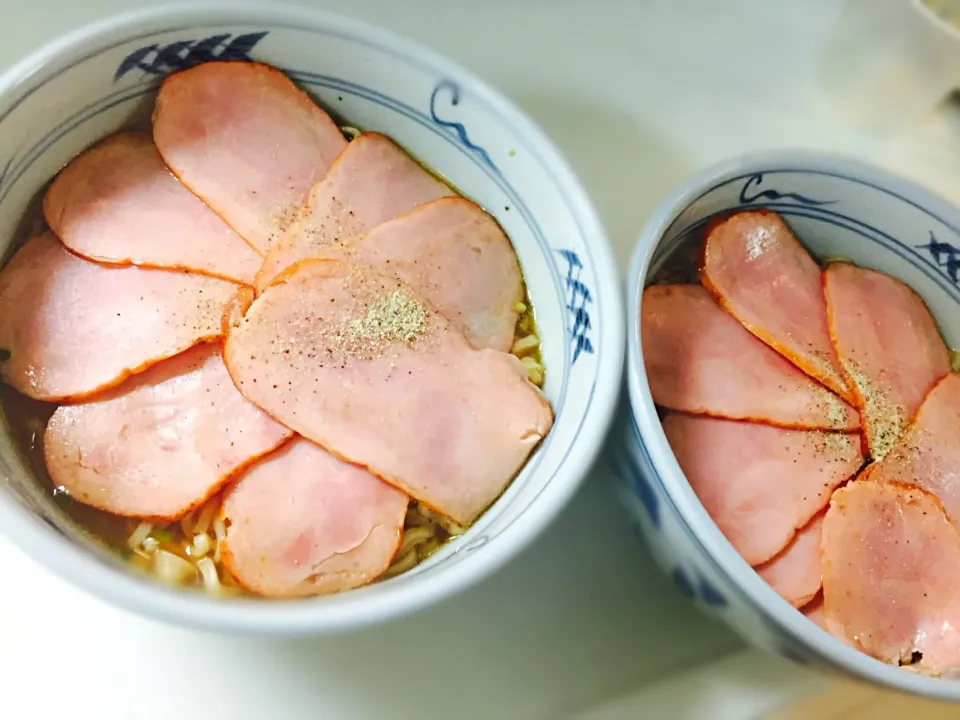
pixel 700 360
pixel 442 240
pixel 814 611
pixel 928 455
pixel 760 483
pixel 889 346
pixel 795 572
pixel 118 203
pixel 341 532
pixel 161 443
pixel 70 328
pixel 247 140
pixel 360 364
pixel 765 278
pixel 891 575
pixel 371 182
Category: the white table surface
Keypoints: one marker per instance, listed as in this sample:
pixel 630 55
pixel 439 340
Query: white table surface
pixel 639 94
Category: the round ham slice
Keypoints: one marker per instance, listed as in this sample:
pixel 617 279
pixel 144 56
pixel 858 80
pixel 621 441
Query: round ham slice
pixel 359 363
pixel 371 182
pixel 891 575
pixel 118 203
pixel 765 278
pixel 301 522
pixel 701 360
pixel 246 140
pixel 795 572
pixel 70 328
pixel 760 483
pixel 163 442
pixel 889 346
pixel 457 257
pixel 928 455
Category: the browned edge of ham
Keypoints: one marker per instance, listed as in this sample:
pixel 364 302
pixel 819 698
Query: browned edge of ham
pixel 445 423
pixel 342 532
pixel 699 359
pixel 784 304
pixel 72 328
pixel 117 203
pixel 160 444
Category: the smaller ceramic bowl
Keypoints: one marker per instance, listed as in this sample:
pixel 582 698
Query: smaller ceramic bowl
pixel 87 85
pixel 837 207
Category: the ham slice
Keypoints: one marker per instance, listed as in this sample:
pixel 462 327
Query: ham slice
pixel 765 278
pixel 118 203
pixel 163 442
pixel 760 483
pixel 70 328
pixel 450 238
pixel 795 572
pixel 891 575
pixel 359 363
pixel 341 531
pixel 928 455
pixel 247 140
pixel 889 346
pixel 700 360
pixel 371 182
pixel 814 611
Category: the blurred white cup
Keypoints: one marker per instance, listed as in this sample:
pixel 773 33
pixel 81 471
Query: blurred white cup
pixel 887 62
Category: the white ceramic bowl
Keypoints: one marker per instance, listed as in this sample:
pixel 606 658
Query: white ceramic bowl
pixel 104 77
pixel 837 207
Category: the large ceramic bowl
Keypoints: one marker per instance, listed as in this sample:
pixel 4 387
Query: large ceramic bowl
pixel 837 207
pixel 104 77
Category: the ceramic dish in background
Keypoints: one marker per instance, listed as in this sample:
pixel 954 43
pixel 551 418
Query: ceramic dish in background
pixel 93 82
pixel 837 207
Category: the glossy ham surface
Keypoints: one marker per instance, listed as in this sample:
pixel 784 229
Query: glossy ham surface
pixel 301 522
pixel 764 277
pixel 359 363
pixel 247 141
pixel 161 443
pixel 889 346
pixel 699 359
pixel 891 583
pixel 372 181
pixel 118 203
pixel 928 455
pixel 759 483
pixel 795 572
pixel 70 328
pixel 456 256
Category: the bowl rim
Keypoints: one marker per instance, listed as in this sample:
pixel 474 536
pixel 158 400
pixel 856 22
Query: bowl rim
pixel 113 583
pixel 690 513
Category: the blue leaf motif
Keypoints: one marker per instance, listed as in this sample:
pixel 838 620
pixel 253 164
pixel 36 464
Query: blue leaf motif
pixel 448 86
pixel 183 54
pixel 710 595
pixel 579 296
pixel 205 50
pixel 756 180
pixel 629 472
pixel 944 256
pixel 683 583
